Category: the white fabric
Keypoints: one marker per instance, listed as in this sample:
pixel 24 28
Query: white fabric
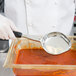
pixel 75 3
pixel 38 17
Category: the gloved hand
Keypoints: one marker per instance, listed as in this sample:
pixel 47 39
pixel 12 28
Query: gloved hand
pixel 6 28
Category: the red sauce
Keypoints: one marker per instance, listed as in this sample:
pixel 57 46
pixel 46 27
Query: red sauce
pixel 39 56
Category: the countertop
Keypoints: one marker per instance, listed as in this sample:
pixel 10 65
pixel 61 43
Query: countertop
pixel 4 71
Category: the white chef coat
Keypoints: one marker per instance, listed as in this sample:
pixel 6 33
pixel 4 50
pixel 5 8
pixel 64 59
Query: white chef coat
pixel 38 17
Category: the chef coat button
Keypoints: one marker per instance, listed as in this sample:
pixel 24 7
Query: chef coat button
pixel 54 26
pixel 56 2
pixel 30 24
pixel 28 1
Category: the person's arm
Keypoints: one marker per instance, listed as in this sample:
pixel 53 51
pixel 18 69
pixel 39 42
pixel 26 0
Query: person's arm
pixel 6 28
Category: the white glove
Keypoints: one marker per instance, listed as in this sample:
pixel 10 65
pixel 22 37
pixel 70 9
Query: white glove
pixel 6 28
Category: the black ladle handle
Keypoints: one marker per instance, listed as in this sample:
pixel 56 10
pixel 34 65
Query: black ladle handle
pixel 31 37
pixel 17 34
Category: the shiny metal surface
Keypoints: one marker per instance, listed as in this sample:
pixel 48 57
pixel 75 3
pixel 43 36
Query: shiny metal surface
pixel 4 71
pixel 58 43
pixel 4 45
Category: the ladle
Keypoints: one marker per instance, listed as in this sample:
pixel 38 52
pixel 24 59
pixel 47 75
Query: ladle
pixel 53 43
